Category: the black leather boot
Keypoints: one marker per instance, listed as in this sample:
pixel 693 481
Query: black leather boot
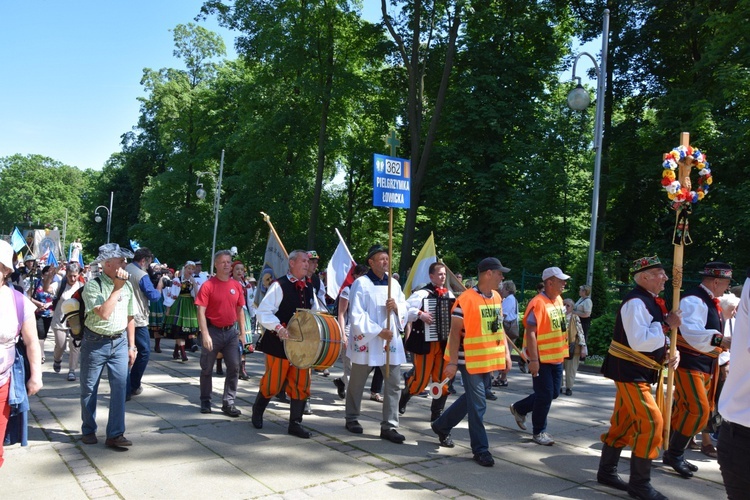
pixel 296 408
pixel 607 474
pixel 403 400
pixel 243 373
pixel 258 408
pixel 640 480
pixel 436 408
pixel 675 455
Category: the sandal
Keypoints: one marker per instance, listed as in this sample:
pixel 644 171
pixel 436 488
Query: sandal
pixel 374 396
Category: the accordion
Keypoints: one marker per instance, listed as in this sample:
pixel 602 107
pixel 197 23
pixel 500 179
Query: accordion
pixel 440 309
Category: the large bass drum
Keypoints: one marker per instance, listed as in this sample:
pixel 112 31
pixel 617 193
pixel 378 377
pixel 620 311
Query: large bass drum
pixel 314 340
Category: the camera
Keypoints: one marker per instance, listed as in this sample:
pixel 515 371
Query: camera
pixel 495 325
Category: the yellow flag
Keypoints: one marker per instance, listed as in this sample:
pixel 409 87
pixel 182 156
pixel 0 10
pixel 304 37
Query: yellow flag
pixel 420 270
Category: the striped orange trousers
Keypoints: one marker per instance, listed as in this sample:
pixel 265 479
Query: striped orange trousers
pixel 426 367
pixel 636 421
pixel 692 406
pixel 279 370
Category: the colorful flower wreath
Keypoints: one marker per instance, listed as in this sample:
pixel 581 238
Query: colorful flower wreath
pixel 679 195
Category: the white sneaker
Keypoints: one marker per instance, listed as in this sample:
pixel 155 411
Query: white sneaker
pixel 544 439
pixel 520 419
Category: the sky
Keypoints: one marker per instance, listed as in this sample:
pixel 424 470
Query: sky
pixel 72 70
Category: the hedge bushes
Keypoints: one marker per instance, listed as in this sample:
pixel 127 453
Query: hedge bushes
pixel 600 334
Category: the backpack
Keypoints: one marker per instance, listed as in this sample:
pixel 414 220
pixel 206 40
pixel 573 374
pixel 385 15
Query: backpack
pixel 74 313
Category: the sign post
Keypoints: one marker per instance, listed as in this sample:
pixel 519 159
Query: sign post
pixel 392 189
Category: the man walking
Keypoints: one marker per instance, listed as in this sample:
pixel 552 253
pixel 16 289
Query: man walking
pixel 634 361
pixel 477 346
pixel 700 342
pixel 427 354
pixel 72 283
pixel 734 407
pixel 144 292
pixel 369 338
pixel 546 346
pixel 108 340
pixel 219 302
pixel 283 298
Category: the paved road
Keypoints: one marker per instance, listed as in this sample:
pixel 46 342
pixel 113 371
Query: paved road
pixel 180 453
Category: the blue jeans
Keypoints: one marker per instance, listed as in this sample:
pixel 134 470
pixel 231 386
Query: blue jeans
pixel 546 388
pixel 143 343
pixel 96 353
pixel 472 403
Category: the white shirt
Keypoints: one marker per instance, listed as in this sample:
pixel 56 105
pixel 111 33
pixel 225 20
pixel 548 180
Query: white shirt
pixel 643 333
pixel 734 403
pixel 368 318
pixel 266 312
pixel 199 280
pixel 693 329
pixel 416 303
pixel 68 291
pixel 510 308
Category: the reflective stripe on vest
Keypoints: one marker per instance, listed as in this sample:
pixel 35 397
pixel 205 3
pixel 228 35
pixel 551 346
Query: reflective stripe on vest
pixel 552 342
pixel 484 351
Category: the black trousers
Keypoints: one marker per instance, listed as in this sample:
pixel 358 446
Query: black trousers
pixel 734 459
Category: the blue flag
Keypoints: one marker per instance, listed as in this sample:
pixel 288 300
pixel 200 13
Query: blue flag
pixel 16 240
pixel 134 245
pixel 51 260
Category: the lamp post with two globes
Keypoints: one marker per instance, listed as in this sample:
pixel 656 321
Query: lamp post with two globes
pixel 578 99
pixel 201 194
pixel 98 218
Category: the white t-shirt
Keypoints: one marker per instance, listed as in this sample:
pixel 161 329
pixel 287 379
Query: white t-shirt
pixel 734 403
pixel 9 329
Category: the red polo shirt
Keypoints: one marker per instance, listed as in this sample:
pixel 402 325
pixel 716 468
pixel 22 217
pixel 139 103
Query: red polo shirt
pixel 221 300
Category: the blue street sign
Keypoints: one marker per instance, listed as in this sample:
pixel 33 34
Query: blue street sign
pixel 391 182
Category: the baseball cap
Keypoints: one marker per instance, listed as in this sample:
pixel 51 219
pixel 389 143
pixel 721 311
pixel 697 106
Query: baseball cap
pixel 556 272
pixel 490 264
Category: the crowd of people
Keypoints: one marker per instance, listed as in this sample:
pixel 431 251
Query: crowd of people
pixel 444 332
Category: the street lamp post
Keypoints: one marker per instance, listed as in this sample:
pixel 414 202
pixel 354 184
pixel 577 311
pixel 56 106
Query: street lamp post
pixel 98 218
pixel 201 194
pixel 578 99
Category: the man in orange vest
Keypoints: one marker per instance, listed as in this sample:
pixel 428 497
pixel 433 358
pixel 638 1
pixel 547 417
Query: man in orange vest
pixel 546 346
pixel 476 346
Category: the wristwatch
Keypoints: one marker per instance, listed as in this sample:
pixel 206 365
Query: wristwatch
pixel 133 348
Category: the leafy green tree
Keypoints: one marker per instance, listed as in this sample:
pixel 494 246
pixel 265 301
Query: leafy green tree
pixel 36 188
pixel 426 36
pixel 511 168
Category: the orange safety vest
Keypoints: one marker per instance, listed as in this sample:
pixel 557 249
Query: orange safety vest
pixel 484 350
pixel 551 341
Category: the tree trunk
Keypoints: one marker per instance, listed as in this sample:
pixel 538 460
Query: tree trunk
pixel 322 135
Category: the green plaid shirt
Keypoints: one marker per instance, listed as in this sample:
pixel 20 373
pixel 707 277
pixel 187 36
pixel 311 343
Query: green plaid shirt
pixel 93 297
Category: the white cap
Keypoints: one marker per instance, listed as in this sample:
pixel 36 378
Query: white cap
pixel 6 254
pixel 556 272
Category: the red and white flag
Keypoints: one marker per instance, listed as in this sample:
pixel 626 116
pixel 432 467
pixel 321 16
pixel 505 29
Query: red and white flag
pixel 340 269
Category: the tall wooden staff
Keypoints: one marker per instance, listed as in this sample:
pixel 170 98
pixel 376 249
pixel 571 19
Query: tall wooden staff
pixel 391 188
pixel 682 205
